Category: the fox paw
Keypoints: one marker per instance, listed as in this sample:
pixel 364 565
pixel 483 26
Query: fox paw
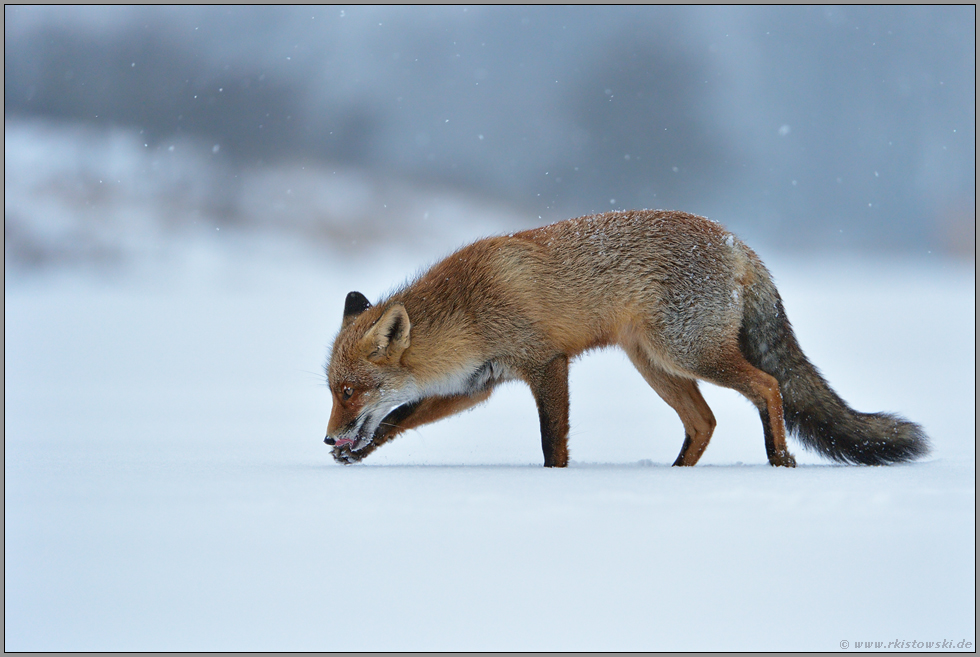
pixel 783 458
pixel 344 455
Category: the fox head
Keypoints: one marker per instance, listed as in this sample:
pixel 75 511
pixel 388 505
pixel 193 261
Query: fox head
pixel 365 373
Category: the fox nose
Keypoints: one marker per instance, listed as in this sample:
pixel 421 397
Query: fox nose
pixel 329 440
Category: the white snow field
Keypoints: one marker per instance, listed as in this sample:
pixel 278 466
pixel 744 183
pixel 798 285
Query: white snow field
pixel 167 488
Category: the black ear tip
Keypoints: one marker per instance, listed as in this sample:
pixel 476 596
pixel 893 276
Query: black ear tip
pixel 355 304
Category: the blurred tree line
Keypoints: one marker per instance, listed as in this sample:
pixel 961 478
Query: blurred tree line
pixel 847 127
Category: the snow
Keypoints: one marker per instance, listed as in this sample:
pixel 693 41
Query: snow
pixel 167 488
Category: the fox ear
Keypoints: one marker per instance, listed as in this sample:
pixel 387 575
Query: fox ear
pixel 355 304
pixel 388 339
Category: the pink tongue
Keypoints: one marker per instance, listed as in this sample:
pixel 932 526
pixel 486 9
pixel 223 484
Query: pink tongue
pixel 343 441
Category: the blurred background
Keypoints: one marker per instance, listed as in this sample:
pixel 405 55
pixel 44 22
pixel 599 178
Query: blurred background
pixel 190 193
pixel 804 129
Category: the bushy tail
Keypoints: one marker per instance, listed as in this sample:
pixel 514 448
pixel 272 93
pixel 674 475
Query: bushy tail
pixel 818 417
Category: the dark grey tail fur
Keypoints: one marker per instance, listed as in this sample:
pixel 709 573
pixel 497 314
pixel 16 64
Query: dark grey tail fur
pixel 813 412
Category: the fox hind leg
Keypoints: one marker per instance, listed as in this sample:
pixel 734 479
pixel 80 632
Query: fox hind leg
pixel 762 390
pixel 770 407
pixel 685 398
pixel 699 425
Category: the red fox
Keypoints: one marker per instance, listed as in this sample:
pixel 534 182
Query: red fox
pixel 682 296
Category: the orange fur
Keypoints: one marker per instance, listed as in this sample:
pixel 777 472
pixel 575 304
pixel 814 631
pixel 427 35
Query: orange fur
pixel 680 294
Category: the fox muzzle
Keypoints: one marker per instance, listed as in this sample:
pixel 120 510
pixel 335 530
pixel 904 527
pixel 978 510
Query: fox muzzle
pixel 340 442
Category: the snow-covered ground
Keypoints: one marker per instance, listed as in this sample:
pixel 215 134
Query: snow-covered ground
pixel 167 488
pixel 166 485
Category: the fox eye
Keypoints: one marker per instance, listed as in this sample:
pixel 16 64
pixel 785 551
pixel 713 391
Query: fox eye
pixel 347 392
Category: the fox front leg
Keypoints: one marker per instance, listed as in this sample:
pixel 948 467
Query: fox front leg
pixel 390 427
pixel 409 416
pixel 550 388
